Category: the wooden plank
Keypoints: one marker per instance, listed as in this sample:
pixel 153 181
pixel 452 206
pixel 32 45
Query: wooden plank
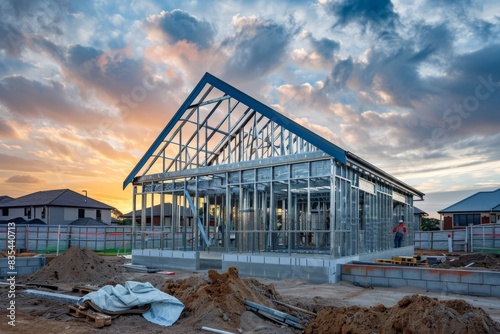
pixel 99 320
pixel 383 261
pixel 84 289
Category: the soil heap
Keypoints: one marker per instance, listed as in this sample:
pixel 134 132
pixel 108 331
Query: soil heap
pixel 217 300
pixel 412 314
pixel 77 265
pixel 476 261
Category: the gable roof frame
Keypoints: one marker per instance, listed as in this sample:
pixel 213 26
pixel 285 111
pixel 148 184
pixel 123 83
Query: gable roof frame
pixel 274 116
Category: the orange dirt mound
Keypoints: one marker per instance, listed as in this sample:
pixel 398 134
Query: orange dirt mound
pixel 217 300
pixel 76 265
pixel 412 314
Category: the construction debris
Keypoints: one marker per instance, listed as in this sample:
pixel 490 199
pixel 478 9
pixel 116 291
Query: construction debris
pixel 213 330
pixel 32 285
pixel 295 308
pixel 52 295
pixel 141 268
pixel 275 315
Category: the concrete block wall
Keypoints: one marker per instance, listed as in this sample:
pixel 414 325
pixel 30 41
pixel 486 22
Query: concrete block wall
pixel 316 270
pixel 465 282
pixel 168 259
pixel 24 266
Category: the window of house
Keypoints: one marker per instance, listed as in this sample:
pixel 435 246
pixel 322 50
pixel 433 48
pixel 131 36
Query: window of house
pixel 27 212
pixel 98 215
pixel 43 213
pixel 5 212
pixel 81 213
pixel 466 219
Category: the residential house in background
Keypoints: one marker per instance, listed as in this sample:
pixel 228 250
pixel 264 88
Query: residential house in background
pixel 480 208
pixel 4 199
pixel 156 216
pixel 417 218
pixel 54 207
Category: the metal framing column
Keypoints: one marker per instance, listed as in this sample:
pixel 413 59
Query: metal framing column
pixel 152 222
pixel 227 207
pixel 174 217
pixel 289 217
pixel 333 210
pixel 256 219
pixel 162 219
pixel 143 216
pixel 134 222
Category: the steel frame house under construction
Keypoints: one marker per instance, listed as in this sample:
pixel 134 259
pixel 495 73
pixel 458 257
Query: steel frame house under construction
pixel 258 183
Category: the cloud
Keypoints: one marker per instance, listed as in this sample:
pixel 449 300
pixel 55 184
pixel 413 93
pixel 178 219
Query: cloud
pixel 341 73
pixel 17 163
pixel 325 47
pixel 23 179
pixel 12 40
pixel 379 16
pixel 258 47
pixel 7 131
pixel 178 25
pixel 49 101
pixel 10 147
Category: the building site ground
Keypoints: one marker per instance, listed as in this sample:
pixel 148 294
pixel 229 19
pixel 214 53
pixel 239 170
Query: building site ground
pixel 216 299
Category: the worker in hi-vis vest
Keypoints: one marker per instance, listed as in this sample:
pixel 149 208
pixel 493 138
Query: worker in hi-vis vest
pixel 399 232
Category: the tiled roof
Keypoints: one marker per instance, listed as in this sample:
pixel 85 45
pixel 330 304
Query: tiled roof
pixel 60 197
pixel 484 201
pixel 157 210
pixel 417 211
pixel 87 222
pixel 4 199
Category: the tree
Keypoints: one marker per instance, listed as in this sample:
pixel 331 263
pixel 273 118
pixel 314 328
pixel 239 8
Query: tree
pixel 116 214
pixel 430 224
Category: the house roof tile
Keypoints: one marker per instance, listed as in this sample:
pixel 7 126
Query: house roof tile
pixel 59 197
pixel 484 201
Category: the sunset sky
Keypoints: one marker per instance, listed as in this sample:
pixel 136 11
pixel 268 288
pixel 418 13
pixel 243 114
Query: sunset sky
pixel 410 86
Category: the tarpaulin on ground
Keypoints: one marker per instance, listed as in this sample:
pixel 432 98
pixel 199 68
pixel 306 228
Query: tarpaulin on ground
pixel 165 309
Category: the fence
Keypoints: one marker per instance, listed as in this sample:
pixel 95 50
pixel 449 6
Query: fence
pixel 475 238
pixel 120 240
pixel 102 239
pixel 54 239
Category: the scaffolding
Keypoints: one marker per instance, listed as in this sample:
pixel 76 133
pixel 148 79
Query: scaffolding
pixel 255 181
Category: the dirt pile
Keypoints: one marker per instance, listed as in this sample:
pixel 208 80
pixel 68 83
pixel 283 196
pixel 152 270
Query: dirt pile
pixel 475 261
pixel 217 300
pixel 76 265
pixel 412 314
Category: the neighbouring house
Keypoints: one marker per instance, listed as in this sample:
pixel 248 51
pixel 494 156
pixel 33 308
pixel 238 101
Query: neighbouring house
pixel 4 199
pixel 480 208
pixel 417 218
pixel 54 207
pixel 156 216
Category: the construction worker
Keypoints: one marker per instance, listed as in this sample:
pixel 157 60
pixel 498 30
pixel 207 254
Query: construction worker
pixel 399 232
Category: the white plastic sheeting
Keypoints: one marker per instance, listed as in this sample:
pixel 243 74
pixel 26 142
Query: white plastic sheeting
pixel 165 309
